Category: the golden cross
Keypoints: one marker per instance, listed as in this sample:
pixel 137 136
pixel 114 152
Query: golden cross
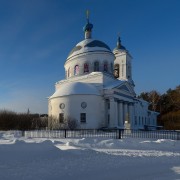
pixel 87 14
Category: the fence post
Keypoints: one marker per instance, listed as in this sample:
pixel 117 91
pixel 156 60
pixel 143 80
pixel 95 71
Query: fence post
pixel 65 133
pixel 119 133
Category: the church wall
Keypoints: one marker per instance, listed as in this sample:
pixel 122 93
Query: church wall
pixel 90 59
pixel 94 109
pixel 142 116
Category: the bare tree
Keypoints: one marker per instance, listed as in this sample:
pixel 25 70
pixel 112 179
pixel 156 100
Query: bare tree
pixel 154 98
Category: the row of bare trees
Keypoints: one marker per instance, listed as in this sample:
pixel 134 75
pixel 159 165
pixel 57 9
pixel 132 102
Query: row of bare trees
pixel 10 120
pixel 168 104
pixel 68 123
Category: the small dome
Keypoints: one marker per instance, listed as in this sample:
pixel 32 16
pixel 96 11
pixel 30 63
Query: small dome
pixel 89 45
pixel 119 48
pixel 119 45
pixel 88 27
pixel 76 88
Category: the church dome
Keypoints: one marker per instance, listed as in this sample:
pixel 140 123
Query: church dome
pixel 119 46
pixel 89 56
pixel 76 88
pixel 89 45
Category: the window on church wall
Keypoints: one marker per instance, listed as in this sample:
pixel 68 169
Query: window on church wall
pixel 129 71
pixel 116 70
pixel 86 68
pixel 107 103
pixel 61 117
pixel 135 120
pixel 83 117
pixel 76 70
pixel 96 66
pixel 139 120
pixel 108 119
pixel 106 67
pixel 142 121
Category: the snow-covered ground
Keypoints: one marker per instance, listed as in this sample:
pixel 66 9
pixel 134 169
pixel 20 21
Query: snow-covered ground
pixel 88 159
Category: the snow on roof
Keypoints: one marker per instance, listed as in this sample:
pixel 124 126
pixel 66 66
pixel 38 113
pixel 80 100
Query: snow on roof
pixel 76 88
pixel 113 84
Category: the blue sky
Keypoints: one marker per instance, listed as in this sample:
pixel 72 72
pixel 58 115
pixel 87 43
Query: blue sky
pixel 36 37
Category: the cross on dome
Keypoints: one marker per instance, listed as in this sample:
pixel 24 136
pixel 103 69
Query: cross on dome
pixel 88 27
pixel 87 15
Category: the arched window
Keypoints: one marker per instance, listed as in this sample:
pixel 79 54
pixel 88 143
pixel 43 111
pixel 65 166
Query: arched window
pixel 105 66
pixel 86 68
pixel 76 70
pixel 96 66
pixel 116 70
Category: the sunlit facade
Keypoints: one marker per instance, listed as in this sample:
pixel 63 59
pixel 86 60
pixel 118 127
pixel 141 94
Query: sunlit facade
pixel 98 90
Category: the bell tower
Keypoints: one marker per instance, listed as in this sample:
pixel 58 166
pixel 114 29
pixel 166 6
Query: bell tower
pixel 122 63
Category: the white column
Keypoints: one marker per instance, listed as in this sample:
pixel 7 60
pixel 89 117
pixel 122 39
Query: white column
pixel 81 69
pixel 116 114
pixel 125 112
pixel 104 113
pixel 129 113
pixel 131 116
pixel 121 114
pixel 113 113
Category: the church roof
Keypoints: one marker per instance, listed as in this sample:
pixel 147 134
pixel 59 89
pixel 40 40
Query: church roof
pixel 113 84
pixel 76 88
pixel 89 45
pixel 121 85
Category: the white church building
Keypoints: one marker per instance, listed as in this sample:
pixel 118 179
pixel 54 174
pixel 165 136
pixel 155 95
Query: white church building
pixel 98 89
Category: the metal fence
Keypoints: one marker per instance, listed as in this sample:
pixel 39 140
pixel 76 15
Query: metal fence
pixel 113 133
pixel 159 134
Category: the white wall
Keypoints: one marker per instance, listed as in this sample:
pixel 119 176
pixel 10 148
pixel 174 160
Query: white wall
pixel 143 115
pixel 94 109
pixel 89 58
